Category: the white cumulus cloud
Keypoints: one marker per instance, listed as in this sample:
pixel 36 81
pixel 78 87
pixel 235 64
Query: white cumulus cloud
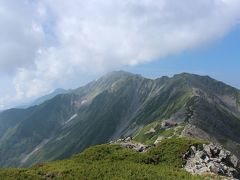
pixel 55 42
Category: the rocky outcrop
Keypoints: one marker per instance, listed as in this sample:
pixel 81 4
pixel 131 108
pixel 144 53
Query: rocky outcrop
pixel 168 123
pixel 128 143
pixel 212 159
pixel 135 146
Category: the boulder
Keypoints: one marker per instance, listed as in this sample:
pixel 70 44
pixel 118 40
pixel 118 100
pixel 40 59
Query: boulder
pixel 193 148
pixel 199 155
pixel 231 160
pixel 135 146
pixel 217 169
pixel 206 148
pixel 207 159
pixel 128 139
pixel 223 154
pixel 234 160
pixel 215 150
pixel 211 158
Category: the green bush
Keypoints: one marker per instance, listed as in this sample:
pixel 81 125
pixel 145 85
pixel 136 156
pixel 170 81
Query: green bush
pixel 114 162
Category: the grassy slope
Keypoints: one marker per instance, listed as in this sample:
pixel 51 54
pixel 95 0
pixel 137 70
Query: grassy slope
pixel 114 162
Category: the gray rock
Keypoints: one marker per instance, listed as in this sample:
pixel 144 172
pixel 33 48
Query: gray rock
pixel 234 160
pixel 207 149
pixel 200 155
pixel 217 168
pixel 204 169
pixel 207 159
pixel 135 146
pixel 214 150
pixel 193 148
pixel 216 160
pixel 212 158
pixel 223 154
pixel 128 139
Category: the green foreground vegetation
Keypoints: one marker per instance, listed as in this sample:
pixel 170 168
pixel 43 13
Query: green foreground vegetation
pixel 114 162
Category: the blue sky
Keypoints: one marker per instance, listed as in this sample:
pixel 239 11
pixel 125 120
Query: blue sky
pixel 219 59
pixel 49 44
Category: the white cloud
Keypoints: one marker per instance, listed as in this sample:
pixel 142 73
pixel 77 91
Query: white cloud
pixel 20 35
pixel 93 36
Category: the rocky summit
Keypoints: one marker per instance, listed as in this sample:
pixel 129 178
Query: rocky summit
pixel 212 158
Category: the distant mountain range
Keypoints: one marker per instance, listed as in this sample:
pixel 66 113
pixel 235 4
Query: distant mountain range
pixel 120 104
pixel 44 98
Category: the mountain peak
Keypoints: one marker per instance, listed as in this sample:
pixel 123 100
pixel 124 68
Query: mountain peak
pixel 114 76
pixel 120 73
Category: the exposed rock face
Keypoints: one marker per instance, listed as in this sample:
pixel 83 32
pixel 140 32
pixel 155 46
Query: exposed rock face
pixel 212 158
pixel 137 147
pixel 168 123
pixel 128 143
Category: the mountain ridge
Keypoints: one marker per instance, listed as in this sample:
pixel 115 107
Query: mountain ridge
pixel 120 104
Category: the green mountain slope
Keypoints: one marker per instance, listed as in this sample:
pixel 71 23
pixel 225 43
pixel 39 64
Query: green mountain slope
pixel 114 162
pixel 117 105
pixel 49 96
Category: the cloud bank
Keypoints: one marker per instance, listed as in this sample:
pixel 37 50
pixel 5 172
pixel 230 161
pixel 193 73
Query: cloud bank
pixel 52 43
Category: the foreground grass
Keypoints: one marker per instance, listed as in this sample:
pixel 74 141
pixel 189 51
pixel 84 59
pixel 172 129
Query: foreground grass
pixel 114 162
